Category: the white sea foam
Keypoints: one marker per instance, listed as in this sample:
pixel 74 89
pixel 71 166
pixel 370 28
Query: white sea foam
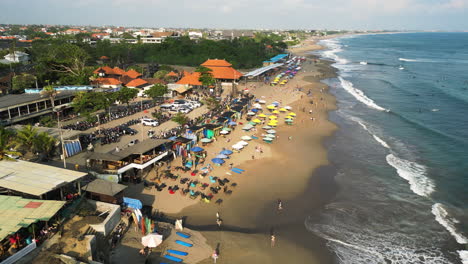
pixel 359 95
pixel 381 141
pixel 444 218
pixel 414 173
pixel 408 60
pixel 463 256
pixel 333 48
pixel 363 62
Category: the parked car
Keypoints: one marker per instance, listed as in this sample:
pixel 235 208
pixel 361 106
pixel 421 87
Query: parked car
pixel 166 107
pixel 149 122
pixel 194 104
pixel 184 109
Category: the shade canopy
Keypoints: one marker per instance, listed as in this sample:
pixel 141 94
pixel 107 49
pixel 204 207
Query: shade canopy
pixel 268 139
pixel 276 112
pixel 224 132
pixel 271 106
pixel 262 101
pixel 197 149
pixel 266 127
pixel 250 113
pixel 243 143
pixel 262 115
pixel 205 140
pixel 271 131
pixel 217 161
pixel 283 109
pixel 247 127
pixel 226 152
pixel 256 120
pixel 246 138
pixel 221 156
pixel 237 146
pixel 292 114
pixel 258 106
pixel 226 129
pixel 152 240
pixel 272 117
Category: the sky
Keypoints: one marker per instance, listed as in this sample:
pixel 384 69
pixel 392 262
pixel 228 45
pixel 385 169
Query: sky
pixel 451 15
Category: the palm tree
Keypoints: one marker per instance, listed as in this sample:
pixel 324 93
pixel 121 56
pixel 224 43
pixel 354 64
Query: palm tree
pixel 50 92
pixel 6 144
pixel 44 144
pixel 25 139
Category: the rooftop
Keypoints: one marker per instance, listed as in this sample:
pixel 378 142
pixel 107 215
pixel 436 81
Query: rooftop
pixel 10 100
pixel 190 79
pixel 216 63
pixel 136 83
pixel 101 186
pixel 18 212
pixel 35 178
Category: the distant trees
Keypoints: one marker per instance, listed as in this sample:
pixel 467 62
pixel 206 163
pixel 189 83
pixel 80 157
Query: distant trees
pixel 26 142
pixel 125 95
pixel 49 91
pixel 161 74
pixel 6 144
pixel 156 91
pixel 23 81
pixel 87 102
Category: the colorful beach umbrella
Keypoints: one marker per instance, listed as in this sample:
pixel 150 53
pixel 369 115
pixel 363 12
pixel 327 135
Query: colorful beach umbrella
pixel 262 115
pixel 232 123
pixel 250 113
pixel 224 132
pixel 247 127
pixel 237 146
pixel 267 139
pixel 271 107
pixel 256 120
pixel 226 152
pixel 243 143
pixel 283 109
pixel 252 123
pixel 217 161
pixel 266 127
pixel 292 114
pixel 221 156
pixel 262 101
pixel 287 107
pixel 272 117
pixel 197 149
pixel 152 240
pixel 272 124
pixel 271 131
pixel 276 112
pixel 226 129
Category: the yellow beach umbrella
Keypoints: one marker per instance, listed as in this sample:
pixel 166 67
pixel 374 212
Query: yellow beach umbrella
pixel 289 117
pixel 276 112
pixel 262 115
pixel 283 110
pixel 292 114
pixel 272 124
pixel 272 117
pixel 257 120
pixel 271 107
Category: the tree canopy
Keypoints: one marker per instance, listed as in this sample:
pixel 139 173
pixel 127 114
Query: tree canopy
pixel 125 95
pixel 206 76
pixel 156 91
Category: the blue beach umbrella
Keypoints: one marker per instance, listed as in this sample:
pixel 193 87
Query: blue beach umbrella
pixel 226 152
pixel 197 149
pixel 255 110
pixel 221 156
pixel 217 161
pixel 232 123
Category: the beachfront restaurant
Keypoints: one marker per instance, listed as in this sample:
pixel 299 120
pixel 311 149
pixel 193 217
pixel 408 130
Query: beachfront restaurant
pixel 39 181
pixel 131 162
pixel 104 191
pixel 21 225
pixel 196 131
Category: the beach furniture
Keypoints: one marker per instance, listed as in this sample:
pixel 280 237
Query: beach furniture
pixel 184 235
pixel 238 169
pixel 177 252
pixel 175 259
pixel 185 244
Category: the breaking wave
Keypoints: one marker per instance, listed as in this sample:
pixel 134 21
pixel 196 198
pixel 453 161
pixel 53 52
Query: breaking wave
pixel 443 217
pixel 414 173
pixel 359 95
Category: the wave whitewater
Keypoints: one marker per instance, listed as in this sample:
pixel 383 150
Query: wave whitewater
pixel 359 95
pixel 443 217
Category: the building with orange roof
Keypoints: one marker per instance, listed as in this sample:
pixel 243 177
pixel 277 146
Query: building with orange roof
pixel 133 74
pixel 137 83
pixel 107 83
pixel 172 74
pixel 103 58
pixel 118 71
pixel 222 70
pixel 104 71
pixel 190 79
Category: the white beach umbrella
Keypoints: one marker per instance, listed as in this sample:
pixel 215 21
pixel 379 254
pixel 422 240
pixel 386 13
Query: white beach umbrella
pixel 270 136
pixel 251 113
pixel 271 131
pixel 288 107
pixel 247 127
pixel 224 132
pixel 266 127
pixel 257 105
pixel 152 240
pixel 262 101
pixel 238 147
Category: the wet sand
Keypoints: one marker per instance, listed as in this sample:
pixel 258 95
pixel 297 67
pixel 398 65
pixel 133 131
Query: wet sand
pixel 296 172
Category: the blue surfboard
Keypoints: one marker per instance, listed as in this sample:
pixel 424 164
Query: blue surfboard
pixel 239 172
pixel 177 252
pixel 175 259
pixel 183 235
pixel 183 243
pixel 238 169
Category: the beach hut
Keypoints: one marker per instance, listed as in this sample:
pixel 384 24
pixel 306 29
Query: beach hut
pixel 181 145
pixel 211 130
pixel 197 131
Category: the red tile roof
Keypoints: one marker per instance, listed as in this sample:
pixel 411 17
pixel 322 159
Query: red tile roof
pixel 118 71
pixel 225 73
pixel 133 74
pixel 190 79
pixel 107 81
pixel 105 69
pixel 172 74
pixel 216 63
pixel 136 83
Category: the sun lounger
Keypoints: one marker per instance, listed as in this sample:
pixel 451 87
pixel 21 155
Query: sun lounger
pixel 175 259
pixel 184 235
pixel 177 252
pixel 185 244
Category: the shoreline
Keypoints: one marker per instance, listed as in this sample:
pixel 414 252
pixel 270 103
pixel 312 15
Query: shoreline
pixel 251 222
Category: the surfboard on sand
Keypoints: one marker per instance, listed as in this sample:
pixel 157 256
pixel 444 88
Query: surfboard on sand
pixel 175 259
pixel 238 169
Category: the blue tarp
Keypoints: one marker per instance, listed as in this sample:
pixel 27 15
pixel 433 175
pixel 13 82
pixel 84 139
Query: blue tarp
pixel 277 58
pixel 132 203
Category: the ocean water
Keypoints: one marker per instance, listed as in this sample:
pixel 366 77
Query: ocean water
pixel 401 151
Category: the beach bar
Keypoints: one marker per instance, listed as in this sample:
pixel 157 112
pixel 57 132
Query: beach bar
pixel 104 191
pixel 34 180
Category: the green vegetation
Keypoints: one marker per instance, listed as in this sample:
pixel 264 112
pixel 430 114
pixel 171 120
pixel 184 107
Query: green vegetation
pixel 206 76
pixel 85 103
pixel 161 74
pixel 180 119
pixel 211 103
pixel 6 144
pixel 23 81
pixel 156 91
pixel 25 142
pixel 125 95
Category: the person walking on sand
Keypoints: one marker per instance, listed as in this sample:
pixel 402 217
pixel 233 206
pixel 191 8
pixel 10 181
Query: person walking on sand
pixel 280 205
pixel 219 222
pixel 214 256
pixel 273 240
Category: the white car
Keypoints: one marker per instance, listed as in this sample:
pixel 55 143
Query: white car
pixel 184 109
pixel 149 122
pixel 194 104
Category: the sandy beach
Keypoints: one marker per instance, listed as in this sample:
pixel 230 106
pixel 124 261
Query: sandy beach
pixel 287 169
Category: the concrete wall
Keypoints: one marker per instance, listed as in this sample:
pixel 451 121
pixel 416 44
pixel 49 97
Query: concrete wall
pixel 106 227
